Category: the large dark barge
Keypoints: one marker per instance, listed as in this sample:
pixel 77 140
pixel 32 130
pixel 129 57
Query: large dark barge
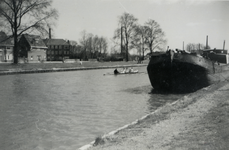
pixel 180 71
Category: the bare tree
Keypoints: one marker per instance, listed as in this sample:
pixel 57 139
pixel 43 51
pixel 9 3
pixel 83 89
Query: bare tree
pixel 139 40
pixel 154 36
pixel 89 41
pixel 103 45
pixel 191 46
pixel 100 46
pixel 73 48
pixel 127 24
pixel 93 45
pixel 84 43
pixel 21 16
pixel 195 48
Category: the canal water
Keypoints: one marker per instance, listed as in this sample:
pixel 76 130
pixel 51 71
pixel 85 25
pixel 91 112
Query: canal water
pixel 66 110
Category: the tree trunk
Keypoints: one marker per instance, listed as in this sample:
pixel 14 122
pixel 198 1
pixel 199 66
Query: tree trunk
pixel 15 52
pixel 127 58
pixel 150 46
pixel 15 49
pixel 143 57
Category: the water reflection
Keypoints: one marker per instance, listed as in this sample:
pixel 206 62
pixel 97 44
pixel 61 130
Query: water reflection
pixel 156 98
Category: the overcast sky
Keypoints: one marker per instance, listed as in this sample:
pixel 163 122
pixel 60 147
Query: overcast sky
pixel 181 20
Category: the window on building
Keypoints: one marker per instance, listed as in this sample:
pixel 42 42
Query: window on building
pixel 39 57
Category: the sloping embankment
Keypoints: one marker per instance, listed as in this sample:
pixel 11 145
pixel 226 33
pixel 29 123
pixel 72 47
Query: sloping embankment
pixel 197 121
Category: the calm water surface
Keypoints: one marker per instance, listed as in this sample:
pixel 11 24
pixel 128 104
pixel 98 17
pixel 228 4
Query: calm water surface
pixel 66 110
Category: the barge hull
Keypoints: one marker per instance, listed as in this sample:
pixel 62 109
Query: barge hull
pixel 182 73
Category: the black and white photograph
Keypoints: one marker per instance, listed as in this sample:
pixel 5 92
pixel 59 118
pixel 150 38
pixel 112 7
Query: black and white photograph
pixel 114 74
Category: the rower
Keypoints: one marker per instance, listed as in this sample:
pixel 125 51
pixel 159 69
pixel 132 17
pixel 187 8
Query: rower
pixel 116 71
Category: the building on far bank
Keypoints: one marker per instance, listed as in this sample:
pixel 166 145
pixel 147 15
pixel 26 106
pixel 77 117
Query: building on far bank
pixel 58 49
pixel 6 48
pixel 32 48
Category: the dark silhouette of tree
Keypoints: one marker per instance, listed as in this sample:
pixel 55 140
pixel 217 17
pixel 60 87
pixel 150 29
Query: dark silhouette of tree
pixel 102 47
pixel 93 45
pixel 84 44
pixel 139 40
pixel 73 49
pixel 196 48
pixel 19 16
pixel 127 23
pixel 154 35
pixel 90 46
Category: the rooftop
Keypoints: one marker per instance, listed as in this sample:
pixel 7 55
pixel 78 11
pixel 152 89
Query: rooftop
pixel 56 42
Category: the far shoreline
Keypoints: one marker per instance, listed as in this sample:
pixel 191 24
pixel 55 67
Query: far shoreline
pixel 10 69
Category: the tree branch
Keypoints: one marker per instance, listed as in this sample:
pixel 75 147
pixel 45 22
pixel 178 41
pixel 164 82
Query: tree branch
pixel 9 5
